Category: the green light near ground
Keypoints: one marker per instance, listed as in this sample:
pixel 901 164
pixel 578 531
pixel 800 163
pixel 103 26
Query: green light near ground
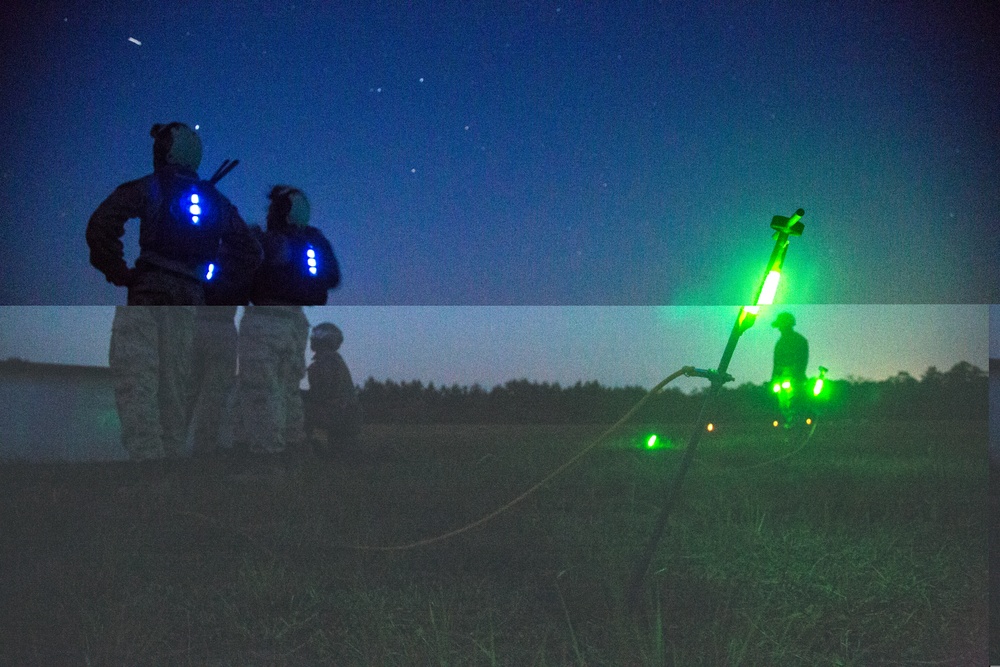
pixel 787 384
pixel 820 389
pixel 770 288
pixel 776 387
pixel 654 442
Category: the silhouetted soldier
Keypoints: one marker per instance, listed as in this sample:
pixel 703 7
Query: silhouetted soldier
pixel 791 358
pixel 333 413
pixel 299 268
pixel 185 224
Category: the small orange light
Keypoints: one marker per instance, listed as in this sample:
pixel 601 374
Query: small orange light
pixel 711 426
pixel 809 421
pixel 774 423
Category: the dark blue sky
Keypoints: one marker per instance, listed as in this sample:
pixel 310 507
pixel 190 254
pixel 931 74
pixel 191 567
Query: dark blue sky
pixel 529 153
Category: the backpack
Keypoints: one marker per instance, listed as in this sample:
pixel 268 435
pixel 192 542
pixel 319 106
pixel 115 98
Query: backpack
pixel 299 266
pixel 222 288
pixel 187 225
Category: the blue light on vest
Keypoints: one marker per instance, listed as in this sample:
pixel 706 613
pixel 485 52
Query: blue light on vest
pixel 311 260
pixel 211 272
pixel 194 207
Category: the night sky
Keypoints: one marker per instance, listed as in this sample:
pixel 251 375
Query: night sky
pixel 614 345
pixel 552 153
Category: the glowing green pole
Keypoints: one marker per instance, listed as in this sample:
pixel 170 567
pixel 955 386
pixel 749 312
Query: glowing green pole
pixel 784 229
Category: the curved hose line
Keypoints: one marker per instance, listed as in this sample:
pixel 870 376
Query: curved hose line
pixel 497 512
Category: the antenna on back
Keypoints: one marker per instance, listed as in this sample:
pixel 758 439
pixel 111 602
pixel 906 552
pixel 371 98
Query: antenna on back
pixel 226 167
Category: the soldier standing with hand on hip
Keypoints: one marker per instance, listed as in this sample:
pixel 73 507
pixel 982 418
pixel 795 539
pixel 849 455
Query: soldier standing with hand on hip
pixel 184 224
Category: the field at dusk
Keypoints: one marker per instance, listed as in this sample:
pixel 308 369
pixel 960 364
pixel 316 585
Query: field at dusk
pixel 866 546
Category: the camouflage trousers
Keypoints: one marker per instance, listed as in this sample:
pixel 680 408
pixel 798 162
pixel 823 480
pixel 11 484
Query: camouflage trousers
pixel 213 374
pixel 150 359
pixel 156 287
pixel 272 345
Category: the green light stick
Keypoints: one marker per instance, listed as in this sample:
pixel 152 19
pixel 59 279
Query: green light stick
pixel 818 385
pixel 784 228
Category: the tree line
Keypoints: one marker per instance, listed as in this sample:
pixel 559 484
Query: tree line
pixel 959 393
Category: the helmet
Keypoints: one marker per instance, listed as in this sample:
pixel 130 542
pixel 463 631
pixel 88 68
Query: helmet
pixel 326 335
pixel 783 320
pixel 175 144
pixel 289 206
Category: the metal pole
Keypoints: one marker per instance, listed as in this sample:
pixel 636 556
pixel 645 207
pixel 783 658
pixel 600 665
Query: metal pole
pixel 785 227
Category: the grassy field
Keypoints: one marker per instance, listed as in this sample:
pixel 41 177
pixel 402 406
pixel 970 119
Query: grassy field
pixel 868 547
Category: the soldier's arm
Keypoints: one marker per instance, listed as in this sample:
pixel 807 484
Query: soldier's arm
pixel 326 250
pixel 344 373
pixel 240 243
pixel 107 226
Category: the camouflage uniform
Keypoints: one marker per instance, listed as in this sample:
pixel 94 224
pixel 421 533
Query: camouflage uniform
pixel 274 331
pixel 150 359
pixel 333 413
pixel 213 373
pixel 272 346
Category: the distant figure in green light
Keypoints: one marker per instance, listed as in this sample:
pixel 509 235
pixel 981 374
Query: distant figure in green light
pixel 788 376
pixel 791 352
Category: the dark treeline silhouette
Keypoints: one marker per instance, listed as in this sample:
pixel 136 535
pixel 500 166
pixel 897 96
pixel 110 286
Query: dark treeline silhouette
pixel 960 393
